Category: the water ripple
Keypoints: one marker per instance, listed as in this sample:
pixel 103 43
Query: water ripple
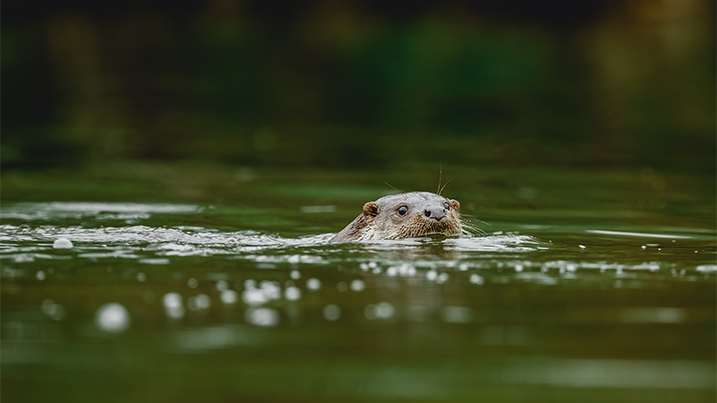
pixel 101 211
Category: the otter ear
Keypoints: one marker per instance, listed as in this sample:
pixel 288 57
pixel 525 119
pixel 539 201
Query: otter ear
pixel 370 209
pixel 456 206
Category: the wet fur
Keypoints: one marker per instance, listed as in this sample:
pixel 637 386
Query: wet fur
pixel 378 220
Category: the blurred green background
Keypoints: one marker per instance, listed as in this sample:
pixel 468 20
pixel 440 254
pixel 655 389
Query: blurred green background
pixel 356 85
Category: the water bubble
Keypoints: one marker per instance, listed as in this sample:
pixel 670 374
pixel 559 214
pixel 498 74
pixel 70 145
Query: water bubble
pixel 193 283
pixel 292 293
pixel 229 296
pixel 173 305
pixel 463 267
pixel 199 302
pixel 294 259
pixel 62 243
pixel 476 279
pixel 358 285
pixel 442 278
pixel 53 310
pixel 332 312
pixel 295 274
pixel 707 268
pixel 141 277
pixel 518 268
pixel 253 296
pixel 270 289
pixel 313 284
pixel 382 310
pixel 342 286
pixel 40 275
pixel 431 275
pixel 262 316
pixel 250 284
pixel 112 318
pixel 203 301
pixel 172 300
pixel 223 285
pixel 404 269
pixel 192 304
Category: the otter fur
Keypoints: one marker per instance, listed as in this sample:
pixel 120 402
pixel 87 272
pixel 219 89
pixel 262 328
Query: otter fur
pixel 405 215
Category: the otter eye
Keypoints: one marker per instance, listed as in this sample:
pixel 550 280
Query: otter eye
pixel 402 210
pixel 446 206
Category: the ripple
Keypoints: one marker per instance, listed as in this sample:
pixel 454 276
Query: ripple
pixel 637 234
pixel 497 242
pixel 169 241
pixel 101 211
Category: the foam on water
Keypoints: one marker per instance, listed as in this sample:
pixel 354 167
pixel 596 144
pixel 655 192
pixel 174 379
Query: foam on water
pixel 155 245
pixel 152 245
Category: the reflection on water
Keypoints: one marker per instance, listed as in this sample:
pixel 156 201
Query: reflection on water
pixel 593 309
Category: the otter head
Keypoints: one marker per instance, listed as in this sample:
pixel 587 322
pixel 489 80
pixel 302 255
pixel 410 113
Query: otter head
pixel 407 215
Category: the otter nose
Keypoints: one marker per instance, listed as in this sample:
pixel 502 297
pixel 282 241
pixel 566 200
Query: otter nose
pixel 437 213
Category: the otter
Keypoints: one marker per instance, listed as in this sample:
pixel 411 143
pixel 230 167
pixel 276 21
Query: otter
pixel 406 215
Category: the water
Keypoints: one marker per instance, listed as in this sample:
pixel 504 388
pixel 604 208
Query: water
pixel 219 284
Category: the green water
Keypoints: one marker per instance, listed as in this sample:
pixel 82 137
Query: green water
pixel 191 282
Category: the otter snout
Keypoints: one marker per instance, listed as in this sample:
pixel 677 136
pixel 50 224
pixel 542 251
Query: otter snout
pixel 437 213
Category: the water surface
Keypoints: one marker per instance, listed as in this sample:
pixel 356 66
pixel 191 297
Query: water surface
pixel 201 284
